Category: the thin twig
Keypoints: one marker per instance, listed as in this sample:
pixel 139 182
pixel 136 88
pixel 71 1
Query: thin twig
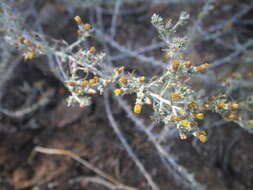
pixel 114 17
pixel 96 180
pixel 84 163
pixel 130 52
pixel 231 56
pixel 126 145
pixel 141 50
pixel 45 99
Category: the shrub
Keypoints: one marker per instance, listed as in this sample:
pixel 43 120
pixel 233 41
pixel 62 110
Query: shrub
pixel 174 101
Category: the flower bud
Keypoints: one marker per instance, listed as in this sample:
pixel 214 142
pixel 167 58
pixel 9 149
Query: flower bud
pixel 123 81
pixel 118 92
pixel 137 108
pixel 78 20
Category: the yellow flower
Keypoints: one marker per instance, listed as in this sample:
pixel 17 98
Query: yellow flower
pixel 84 83
pixel 185 123
pixel 122 80
pixel 79 91
pixel 78 20
pixel 199 116
pixel 21 39
pixel 30 54
pixel 96 79
pixel 92 49
pixel 220 104
pixel 206 106
pixel 175 118
pixel 202 67
pixel 249 74
pixel 192 106
pixel 232 116
pixel 250 122
pixel 86 27
pixel 175 97
pixel 236 75
pixel 188 64
pixel 92 81
pixel 175 64
pixel 118 92
pixel 233 106
pixel 137 108
pixel 142 79
pixel 202 136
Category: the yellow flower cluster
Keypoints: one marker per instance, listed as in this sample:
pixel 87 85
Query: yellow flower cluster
pixel 82 26
pixel 175 64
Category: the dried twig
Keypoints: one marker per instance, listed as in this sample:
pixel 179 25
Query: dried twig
pixel 132 53
pixel 126 145
pixel 91 167
pixel 115 16
pixel 20 113
pixel 96 180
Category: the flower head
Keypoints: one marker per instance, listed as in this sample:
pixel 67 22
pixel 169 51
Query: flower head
pixel 118 92
pixel 175 97
pixel 185 123
pixel 137 108
pixel 78 20
pixel 202 136
pixel 202 67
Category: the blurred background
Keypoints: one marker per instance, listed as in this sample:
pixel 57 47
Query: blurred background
pixel 133 150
